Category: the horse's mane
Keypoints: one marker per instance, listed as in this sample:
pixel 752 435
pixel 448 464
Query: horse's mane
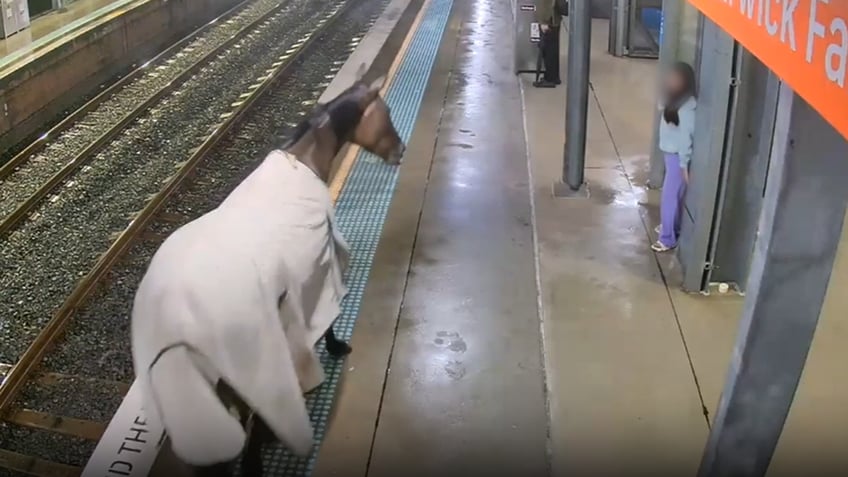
pixel 345 113
pixel 296 133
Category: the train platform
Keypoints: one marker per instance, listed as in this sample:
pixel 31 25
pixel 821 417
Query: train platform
pixel 635 366
pixel 495 329
pixel 507 332
pixel 48 30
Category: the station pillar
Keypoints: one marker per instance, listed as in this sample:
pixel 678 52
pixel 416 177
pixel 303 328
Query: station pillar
pixel 800 228
pixel 572 182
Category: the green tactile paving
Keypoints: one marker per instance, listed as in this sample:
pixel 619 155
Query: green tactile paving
pixel 361 211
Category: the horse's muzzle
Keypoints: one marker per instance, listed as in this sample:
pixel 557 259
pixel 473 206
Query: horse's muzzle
pixel 396 157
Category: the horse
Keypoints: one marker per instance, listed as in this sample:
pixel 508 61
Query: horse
pixel 225 319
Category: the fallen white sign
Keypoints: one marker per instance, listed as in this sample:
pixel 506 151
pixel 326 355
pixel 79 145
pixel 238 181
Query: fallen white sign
pixel 131 442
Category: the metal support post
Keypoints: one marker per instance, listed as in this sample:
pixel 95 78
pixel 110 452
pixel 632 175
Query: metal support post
pixel 577 100
pixel 617 41
pixel 800 228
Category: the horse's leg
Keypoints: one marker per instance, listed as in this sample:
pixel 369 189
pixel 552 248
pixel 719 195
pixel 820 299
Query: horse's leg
pixel 260 434
pixel 335 347
pixel 252 457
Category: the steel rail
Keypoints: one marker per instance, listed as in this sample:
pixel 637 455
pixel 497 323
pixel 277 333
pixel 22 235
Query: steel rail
pixel 22 210
pixel 19 374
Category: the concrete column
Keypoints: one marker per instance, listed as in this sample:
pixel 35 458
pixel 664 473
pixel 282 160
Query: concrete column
pixel 577 99
pixel 799 231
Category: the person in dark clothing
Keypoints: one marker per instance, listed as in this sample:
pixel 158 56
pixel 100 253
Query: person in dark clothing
pixel 549 18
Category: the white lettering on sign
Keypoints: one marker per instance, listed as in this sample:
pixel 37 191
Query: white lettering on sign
pixel 130 444
pixel 771 26
pixel 816 29
pixel 823 38
pixel 805 42
pixel 787 23
pixel 836 56
pixel 747 8
pixel 836 52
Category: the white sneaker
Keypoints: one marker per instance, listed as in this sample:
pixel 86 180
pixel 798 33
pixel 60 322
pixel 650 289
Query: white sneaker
pixel 658 229
pixel 660 247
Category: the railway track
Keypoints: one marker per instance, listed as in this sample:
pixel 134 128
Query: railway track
pixel 31 175
pixel 66 385
pixel 42 259
pixel 34 173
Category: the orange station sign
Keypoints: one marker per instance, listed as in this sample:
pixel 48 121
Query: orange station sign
pixel 805 43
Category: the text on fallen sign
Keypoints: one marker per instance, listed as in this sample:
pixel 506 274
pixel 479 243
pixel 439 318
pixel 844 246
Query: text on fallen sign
pixel 136 437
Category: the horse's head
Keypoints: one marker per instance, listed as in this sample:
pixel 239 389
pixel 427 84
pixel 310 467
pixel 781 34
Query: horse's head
pixel 374 130
pixel 358 115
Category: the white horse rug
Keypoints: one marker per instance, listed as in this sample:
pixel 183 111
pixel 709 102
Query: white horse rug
pixel 207 309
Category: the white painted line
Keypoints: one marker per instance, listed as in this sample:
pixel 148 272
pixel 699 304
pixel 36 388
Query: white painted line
pixel 540 306
pixel 132 440
pixel 367 50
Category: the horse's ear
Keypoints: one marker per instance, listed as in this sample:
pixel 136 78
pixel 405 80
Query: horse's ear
pixel 360 73
pixel 377 84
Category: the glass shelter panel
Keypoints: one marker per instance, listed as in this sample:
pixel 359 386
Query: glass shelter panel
pixel 690 24
pixel 644 26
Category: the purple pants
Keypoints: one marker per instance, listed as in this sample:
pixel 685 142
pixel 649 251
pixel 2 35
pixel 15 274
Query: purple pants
pixel 671 203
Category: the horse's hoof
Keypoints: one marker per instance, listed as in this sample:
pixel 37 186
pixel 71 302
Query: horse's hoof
pixel 339 349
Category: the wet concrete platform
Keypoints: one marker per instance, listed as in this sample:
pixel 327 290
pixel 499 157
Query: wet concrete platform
pixel 623 397
pixel 446 377
pixel 632 360
pixel 456 370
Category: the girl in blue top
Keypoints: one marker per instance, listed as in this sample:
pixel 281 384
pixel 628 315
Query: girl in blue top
pixel 677 128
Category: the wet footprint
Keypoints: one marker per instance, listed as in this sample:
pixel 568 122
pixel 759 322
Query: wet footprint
pixel 450 340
